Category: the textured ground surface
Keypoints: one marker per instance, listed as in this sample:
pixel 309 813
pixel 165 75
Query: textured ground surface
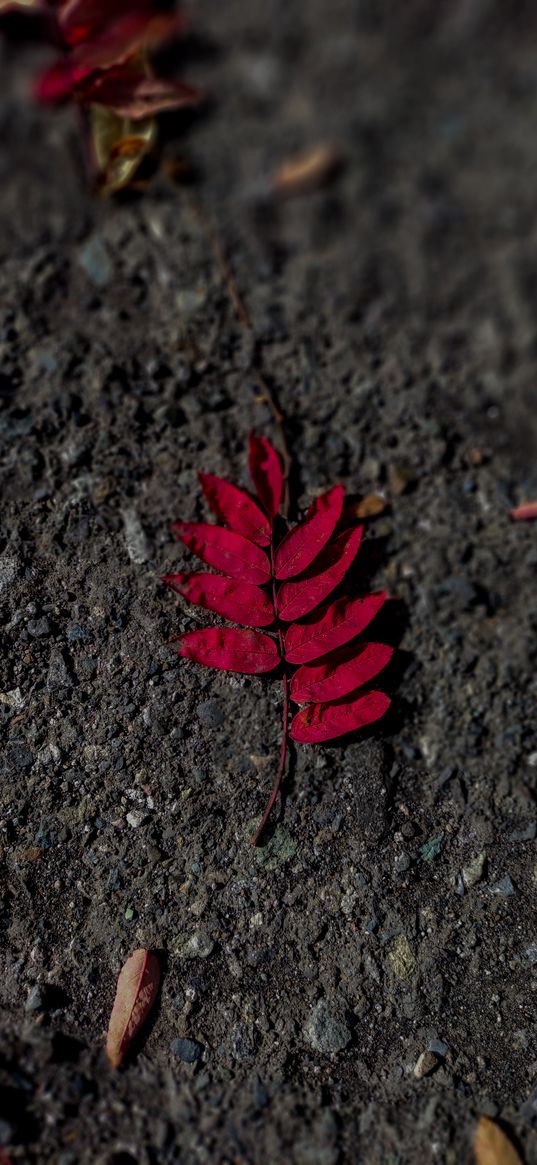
pixel 396 311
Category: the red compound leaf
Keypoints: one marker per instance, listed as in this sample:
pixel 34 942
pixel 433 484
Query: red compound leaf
pixel 341 673
pixel 335 625
pixel 297 598
pixel 230 649
pixel 319 722
pixel 333 668
pixel 231 553
pixel 237 601
pixel 266 474
pixel 234 507
pixel 302 544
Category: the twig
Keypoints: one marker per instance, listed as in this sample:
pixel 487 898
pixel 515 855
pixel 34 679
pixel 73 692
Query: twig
pixel 228 277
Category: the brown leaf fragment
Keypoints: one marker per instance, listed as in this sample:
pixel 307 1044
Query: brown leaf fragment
pixel 137 986
pixel 119 146
pixel 370 506
pixel 491 1146
pixel 307 171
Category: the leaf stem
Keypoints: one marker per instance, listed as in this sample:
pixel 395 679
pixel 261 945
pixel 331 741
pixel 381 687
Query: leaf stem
pixel 281 766
pixel 283 753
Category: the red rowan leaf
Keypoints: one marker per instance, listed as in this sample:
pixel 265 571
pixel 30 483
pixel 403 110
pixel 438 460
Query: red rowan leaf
pixel 230 649
pixel 231 553
pixel 319 722
pixel 302 544
pixel 83 20
pixel 238 601
pixel 234 507
pixel 332 668
pixel 335 624
pixel 296 599
pixel 341 673
pixel 266 473
pixel 137 986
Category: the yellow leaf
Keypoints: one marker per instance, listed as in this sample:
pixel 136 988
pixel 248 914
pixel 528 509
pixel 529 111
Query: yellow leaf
pixel 119 145
pixel 491 1146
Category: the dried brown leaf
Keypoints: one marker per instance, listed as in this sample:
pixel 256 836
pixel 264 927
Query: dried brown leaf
pixel 307 171
pixel 119 146
pixel 370 506
pixel 491 1146
pixel 137 986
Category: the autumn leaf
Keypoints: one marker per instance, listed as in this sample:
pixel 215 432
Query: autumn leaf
pixel 279 579
pixel 137 987
pixel 491 1146
pixel 524 512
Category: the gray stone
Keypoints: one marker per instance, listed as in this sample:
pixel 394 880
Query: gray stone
pixel 38 628
pixel 8 571
pixel 210 714
pixel 187 1050
pixel 36 999
pixel 197 946
pixel 95 261
pixel 324 1030
pixel 504 887
pixel 473 872
pixel 58 676
pixel 138 548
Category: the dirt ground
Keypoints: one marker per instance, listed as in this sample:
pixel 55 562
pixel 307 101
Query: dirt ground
pixel 392 911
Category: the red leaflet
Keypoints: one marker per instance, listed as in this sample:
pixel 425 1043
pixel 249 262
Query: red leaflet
pixel 319 566
pixel 524 512
pixel 338 622
pixel 320 722
pixel 227 648
pixel 296 599
pixel 237 601
pixel 226 551
pixel 234 507
pixel 342 672
pixel 131 94
pixel 266 473
pixel 302 544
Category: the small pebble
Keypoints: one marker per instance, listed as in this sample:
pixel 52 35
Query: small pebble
pixel 473 872
pixel 36 999
pixel 504 887
pixel 324 1031
pixel 187 1050
pixel 135 818
pixel 7 1132
pixel 210 714
pixel 425 1064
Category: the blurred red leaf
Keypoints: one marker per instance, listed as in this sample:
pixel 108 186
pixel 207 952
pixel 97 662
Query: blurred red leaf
pixel 132 94
pixel 266 473
pixel 524 512
pixel 137 987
